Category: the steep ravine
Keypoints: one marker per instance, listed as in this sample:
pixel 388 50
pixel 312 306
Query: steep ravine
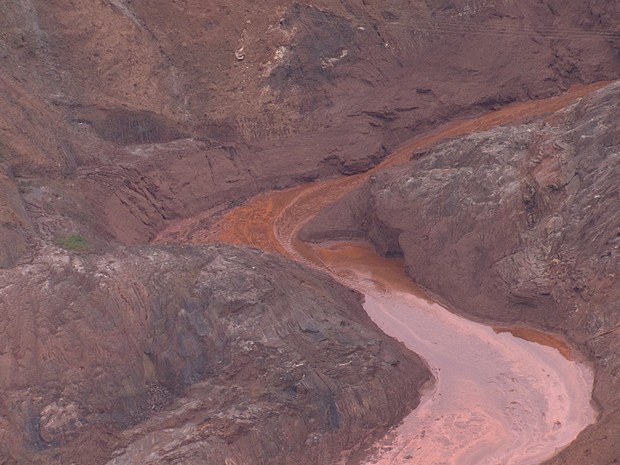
pixel 517 225
pixel 121 115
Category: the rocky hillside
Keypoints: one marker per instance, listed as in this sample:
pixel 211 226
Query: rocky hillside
pixel 515 225
pixel 177 355
pixel 121 114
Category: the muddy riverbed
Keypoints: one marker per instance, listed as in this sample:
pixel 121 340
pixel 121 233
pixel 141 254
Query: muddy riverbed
pixel 498 399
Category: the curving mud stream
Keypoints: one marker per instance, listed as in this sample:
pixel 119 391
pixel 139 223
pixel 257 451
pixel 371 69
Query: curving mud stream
pixel 498 399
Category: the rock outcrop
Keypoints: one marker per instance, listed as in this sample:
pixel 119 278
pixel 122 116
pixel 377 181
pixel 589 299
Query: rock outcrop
pixel 516 225
pixel 191 354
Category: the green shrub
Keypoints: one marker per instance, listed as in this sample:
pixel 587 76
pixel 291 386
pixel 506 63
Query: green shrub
pixel 73 242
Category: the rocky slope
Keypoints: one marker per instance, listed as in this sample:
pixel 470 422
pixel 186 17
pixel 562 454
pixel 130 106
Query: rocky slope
pixel 515 225
pixel 120 115
pixel 140 111
pixel 187 355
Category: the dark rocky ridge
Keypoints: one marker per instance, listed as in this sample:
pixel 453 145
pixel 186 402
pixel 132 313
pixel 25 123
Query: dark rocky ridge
pixel 515 225
pixel 216 353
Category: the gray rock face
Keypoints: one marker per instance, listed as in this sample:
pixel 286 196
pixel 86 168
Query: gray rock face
pixel 191 355
pixel 519 225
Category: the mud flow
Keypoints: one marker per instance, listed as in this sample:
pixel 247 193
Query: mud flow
pixel 497 398
pixel 510 396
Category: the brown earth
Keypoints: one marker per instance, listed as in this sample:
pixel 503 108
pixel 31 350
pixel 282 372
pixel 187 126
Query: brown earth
pixel 121 115
pixel 136 112
pixel 514 225
pixel 273 221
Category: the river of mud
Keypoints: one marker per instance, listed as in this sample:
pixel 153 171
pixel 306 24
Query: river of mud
pixel 498 399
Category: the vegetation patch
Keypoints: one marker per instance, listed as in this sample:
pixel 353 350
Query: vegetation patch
pixel 73 242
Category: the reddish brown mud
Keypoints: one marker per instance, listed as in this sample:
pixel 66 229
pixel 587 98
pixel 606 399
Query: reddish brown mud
pixel 497 399
pixel 253 223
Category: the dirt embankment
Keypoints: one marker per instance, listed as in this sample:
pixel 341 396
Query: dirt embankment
pixel 516 225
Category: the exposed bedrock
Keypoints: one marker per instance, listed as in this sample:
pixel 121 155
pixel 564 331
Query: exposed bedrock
pixel 191 354
pixel 516 225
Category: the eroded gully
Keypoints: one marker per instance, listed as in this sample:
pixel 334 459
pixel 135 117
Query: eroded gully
pixel 497 399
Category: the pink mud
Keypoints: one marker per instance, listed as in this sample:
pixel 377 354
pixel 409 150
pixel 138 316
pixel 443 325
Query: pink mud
pixel 497 399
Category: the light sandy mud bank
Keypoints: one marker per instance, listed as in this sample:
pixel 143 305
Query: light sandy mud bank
pixel 498 399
